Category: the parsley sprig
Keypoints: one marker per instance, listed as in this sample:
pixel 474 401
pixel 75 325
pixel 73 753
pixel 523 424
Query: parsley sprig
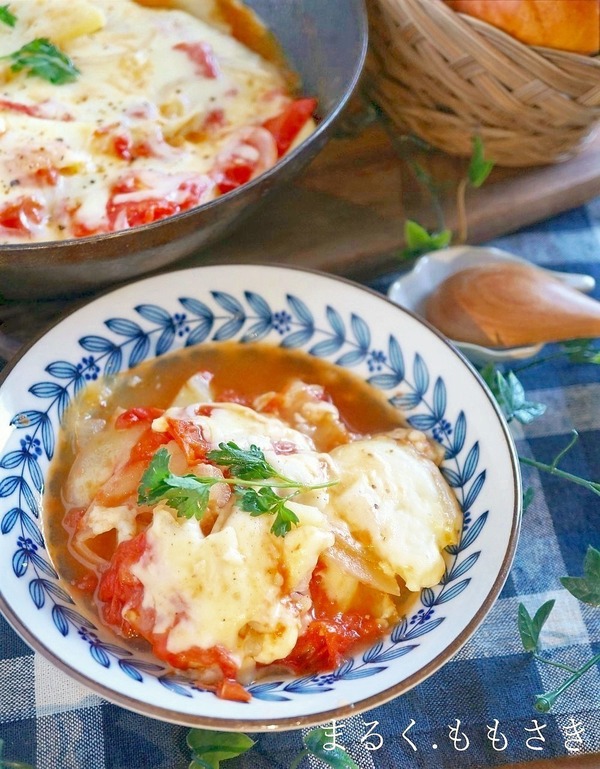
pixel 248 470
pixel 43 59
pixel 7 16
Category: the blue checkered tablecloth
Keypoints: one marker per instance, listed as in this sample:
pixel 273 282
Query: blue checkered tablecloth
pixel 485 692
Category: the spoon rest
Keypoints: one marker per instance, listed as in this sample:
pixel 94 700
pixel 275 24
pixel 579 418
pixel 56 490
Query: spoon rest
pixel 413 289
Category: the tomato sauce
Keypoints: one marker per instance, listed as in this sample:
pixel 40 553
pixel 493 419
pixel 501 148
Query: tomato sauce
pixel 237 373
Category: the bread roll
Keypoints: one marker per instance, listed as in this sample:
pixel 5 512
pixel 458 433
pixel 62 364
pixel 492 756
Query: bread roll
pixel 568 25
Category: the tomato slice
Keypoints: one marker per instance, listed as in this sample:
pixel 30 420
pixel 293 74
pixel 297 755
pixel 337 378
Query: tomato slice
pixel 228 689
pixel 15 106
pixel 137 414
pixel 288 124
pixel 190 439
pixel 121 596
pixel 119 588
pixel 327 642
pixel 251 151
pixel 331 636
pixel 195 657
pixel 203 57
pixel 138 212
pixel 126 209
pixel 237 172
pixel 125 148
pixel 149 442
pixel 22 215
pixel 43 110
pixel 47 176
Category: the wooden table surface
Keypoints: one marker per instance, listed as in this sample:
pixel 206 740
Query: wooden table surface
pixel 346 213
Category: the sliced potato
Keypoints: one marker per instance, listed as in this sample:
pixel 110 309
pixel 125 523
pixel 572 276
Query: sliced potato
pixel 62 21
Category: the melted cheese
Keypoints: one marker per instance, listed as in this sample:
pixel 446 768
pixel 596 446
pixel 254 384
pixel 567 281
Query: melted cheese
pixel 394 499
pixel 239 587
pixel 146 111
pixel 100 519
pixel 289 451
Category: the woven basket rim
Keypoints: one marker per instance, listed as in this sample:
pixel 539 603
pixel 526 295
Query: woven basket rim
pixel 427 57
pixel 469 24
pixel 581 58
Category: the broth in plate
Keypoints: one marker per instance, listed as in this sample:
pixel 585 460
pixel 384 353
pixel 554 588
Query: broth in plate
pixel 245 508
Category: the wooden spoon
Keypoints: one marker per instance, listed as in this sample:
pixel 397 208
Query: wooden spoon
pixel 504 304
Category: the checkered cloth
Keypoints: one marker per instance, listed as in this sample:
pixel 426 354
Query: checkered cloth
pixel 477 710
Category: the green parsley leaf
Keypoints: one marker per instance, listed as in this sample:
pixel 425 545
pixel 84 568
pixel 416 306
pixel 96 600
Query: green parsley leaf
pixel 258 501
pixel 531 627
pixel 6 16
pixel 209 748
pixel 249 464
pixel 266 501
pixel 586 588
pixel 43 59
pixel 152 485
pixel 189 502
pixel 479 168
pixel 189 494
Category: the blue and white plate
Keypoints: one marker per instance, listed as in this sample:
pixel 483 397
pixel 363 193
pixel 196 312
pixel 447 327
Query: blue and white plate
pixel 419 372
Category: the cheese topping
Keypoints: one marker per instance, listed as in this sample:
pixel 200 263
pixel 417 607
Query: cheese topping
pixel 394 498
pixel 289 451
pixel 226 580
pixel 166 113
pixel 235 587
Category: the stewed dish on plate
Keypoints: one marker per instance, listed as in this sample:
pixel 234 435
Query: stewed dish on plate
pixel 246 509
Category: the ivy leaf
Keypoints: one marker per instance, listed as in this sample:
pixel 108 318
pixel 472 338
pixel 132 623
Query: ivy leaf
pixel 528 496
pixel 531 627
pixel 6 16
pixel 581 351
pixel 479 168
pixel 320 743
pixel 209 748
pixel 510 395
pixel 44 59
pixel 419 241
pixel 586 588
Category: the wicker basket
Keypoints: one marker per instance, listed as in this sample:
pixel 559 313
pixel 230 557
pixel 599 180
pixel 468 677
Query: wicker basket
pixel 446 77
